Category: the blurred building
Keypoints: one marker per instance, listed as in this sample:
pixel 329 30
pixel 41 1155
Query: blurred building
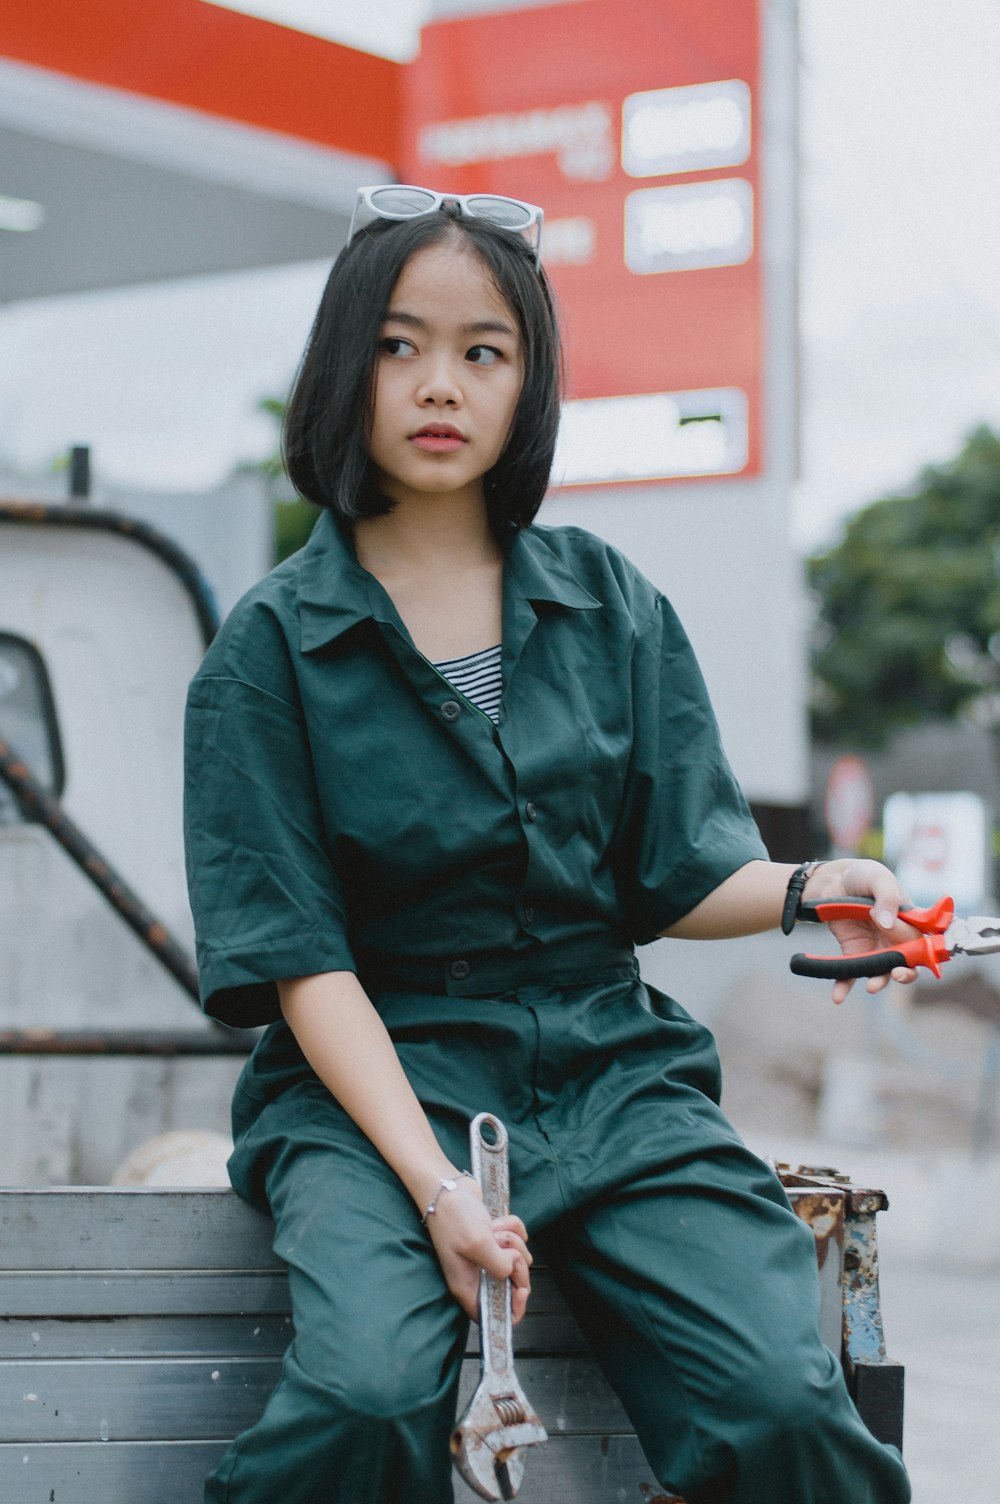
pixel 151 139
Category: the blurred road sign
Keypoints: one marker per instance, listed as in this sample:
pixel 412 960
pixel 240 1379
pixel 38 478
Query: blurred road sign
pixel 849 806
pixel 938 843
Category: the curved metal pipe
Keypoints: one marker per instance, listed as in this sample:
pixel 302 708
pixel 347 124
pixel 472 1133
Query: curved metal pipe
pixel 39 805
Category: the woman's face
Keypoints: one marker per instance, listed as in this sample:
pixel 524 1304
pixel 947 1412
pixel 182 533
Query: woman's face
pixel 447 377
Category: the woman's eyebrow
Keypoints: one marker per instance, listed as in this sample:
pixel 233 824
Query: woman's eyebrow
pixel 479 326
pixel 489 326
pixel 396 316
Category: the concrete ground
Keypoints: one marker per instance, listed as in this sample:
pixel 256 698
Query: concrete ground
pixel 945 1327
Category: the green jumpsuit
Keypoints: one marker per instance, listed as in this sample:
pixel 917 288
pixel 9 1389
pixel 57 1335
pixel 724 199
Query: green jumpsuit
pixel 348 809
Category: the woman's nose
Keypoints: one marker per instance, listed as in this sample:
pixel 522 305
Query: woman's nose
pixel 440 385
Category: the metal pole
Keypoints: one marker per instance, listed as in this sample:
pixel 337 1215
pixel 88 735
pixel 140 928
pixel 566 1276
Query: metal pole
pixel 79 474
pixel 984 1120
pixel 39 805
pixel 164 1043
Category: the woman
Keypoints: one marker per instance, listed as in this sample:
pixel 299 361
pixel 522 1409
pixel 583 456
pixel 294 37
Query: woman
pixel 431 894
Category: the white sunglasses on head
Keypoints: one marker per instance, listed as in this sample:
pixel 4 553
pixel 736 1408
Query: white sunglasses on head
pixel 405 201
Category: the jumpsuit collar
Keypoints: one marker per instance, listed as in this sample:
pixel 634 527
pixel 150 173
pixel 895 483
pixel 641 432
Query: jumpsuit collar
pixel 336 593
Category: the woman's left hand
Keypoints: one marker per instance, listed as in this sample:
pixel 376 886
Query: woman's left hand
pixel 858 877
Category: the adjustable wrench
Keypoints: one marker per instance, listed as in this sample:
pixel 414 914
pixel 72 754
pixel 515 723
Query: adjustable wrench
pixel 487 1443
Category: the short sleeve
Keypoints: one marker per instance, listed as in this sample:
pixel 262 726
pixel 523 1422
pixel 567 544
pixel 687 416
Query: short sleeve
pixel 265 896
pixel 685 824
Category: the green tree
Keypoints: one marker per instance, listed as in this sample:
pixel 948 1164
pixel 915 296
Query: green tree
pixel 908 606
pixel 293 522
pixel 293 518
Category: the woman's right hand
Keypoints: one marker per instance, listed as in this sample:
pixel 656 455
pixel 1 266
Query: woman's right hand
pixel 348 1046
pixel 467 1239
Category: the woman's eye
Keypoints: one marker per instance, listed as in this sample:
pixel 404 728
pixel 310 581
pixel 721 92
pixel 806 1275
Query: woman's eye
pixel 393 344
pixel 484 355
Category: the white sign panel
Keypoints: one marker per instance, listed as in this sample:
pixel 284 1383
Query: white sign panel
pixel 689 225
pixel 937 844
pixel 651 435
pixel 687 129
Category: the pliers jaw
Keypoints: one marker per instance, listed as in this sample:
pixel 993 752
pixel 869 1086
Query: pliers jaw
pixel 979 935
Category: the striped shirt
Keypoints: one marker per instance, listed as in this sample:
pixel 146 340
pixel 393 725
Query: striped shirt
pixel 477 677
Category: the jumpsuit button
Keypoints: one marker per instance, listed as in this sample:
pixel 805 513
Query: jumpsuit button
pixel 528 914
pixel 459 970
pixel 451 710
pixel 531 811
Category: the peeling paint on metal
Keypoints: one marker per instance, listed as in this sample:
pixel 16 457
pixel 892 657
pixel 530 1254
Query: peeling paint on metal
pixel 652 1495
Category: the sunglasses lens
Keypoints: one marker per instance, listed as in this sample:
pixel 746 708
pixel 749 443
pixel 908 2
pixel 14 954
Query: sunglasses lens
pixel 402 201
pixel 502 211
pixel 405 201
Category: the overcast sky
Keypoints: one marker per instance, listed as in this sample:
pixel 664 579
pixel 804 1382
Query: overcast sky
pixel 900 290
pixel 901 242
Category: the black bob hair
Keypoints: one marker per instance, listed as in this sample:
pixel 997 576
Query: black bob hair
pixel 329 411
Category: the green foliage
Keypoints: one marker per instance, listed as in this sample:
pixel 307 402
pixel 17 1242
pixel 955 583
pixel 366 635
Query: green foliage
pixel 293 518
pixel 293 522
pixel 273 467
pixel 908 622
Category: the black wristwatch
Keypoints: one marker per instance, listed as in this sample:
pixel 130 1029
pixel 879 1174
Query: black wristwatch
pixel 793 894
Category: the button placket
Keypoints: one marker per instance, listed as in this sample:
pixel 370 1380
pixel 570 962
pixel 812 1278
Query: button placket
pixel 525 909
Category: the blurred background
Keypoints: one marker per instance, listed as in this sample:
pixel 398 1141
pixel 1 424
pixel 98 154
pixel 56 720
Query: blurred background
pixel 771 226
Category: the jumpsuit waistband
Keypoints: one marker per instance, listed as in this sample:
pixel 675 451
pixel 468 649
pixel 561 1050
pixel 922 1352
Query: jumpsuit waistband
pixel 483 973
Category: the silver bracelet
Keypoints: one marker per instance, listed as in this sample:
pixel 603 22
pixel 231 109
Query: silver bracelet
pixel 450 1184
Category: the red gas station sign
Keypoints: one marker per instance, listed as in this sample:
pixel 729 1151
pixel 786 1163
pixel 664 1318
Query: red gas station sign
pixel 234 66
pixel 634 124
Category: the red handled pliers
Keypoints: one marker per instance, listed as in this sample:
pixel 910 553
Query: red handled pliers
pixel 941 937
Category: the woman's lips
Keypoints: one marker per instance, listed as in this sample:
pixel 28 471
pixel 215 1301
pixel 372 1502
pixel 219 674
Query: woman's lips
pixel 438 438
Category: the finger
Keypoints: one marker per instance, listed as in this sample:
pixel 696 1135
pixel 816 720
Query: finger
pixel 885 891
pixel 497 1261
pixel 887 900
pixel 902 974
pixel 841 989
pixel 520 1289
pixel 520 1274
pixel 511 1240
pixel 512 1223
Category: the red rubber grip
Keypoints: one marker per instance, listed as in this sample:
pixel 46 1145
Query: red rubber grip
pixel 934 920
